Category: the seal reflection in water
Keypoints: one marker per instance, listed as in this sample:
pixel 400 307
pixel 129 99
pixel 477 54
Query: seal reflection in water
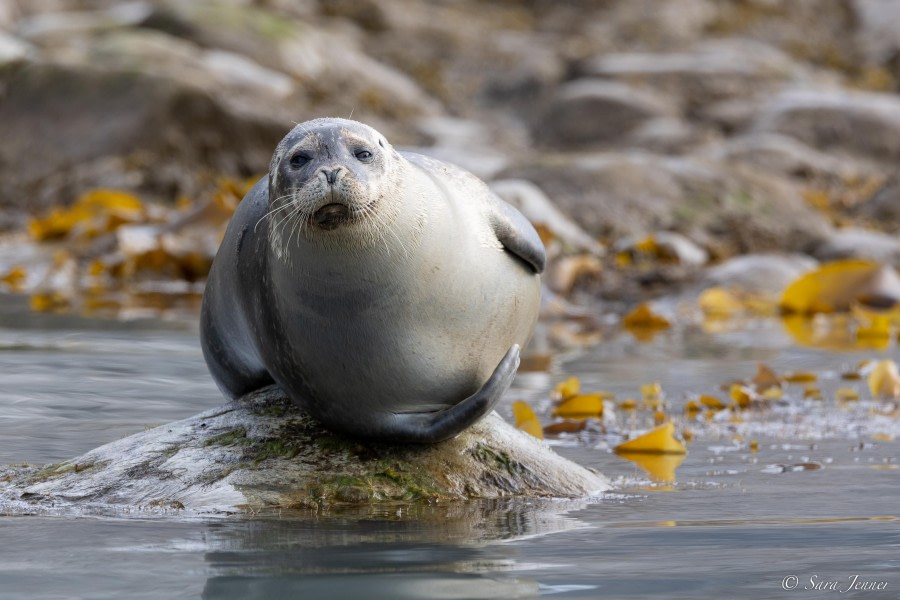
pixel 386 292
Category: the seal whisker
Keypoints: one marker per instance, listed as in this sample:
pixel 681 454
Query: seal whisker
pixel 274 210
pixel 277 231
pixel 386 227
pixel 288 208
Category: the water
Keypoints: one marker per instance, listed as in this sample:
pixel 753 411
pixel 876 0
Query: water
pixel 734 523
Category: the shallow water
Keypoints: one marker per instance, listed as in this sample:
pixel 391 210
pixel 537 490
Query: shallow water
pixel 734 523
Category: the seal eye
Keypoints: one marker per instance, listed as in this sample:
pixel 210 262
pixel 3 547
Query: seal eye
pixel 364 155
pixel 298 160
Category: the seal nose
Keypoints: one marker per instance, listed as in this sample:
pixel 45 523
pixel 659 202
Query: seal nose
pixel 331 175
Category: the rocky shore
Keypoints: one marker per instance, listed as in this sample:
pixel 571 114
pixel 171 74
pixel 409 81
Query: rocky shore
pixel 739 127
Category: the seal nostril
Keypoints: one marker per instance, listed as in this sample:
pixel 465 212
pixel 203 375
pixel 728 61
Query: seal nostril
pixel 330 175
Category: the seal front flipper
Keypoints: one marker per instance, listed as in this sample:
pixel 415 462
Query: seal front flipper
pixel 427 428
pixel 517 234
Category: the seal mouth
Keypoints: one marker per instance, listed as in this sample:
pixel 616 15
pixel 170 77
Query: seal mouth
pixel 331 215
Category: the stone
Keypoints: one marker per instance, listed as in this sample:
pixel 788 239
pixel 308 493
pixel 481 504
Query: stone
pixel 731 116
pixel 484 163
pixel 237 82
pixel 150 135
pixel 462 142
pixel 472 54
pixel 242 72
pixel 883 207
pixel 9 13
pixel 853 242
pixel 710 71
pixel 812 31
pixel 526 65
pixel 261 452
pixel 540 210
pixel 13 48
pixel 726 209
pixel 837 121
pixel 760 274
pixel 665 135
pixel 337 74
pixel 878 33
pixel 55 26
pixel 593 112
pixel 671 245
pixel 640 23
pixel 789 157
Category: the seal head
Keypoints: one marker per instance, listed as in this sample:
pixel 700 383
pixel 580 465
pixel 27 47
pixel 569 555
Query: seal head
pixel 330 182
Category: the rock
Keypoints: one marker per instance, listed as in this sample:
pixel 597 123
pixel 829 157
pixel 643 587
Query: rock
pixel 13 48
pixel 119 129
pixel 837 121
pixel 729 116
pixel 666 135
pixel 878 33
pixel 713 70
pixel 540 210
pixel 467 144
pixel 56 27
pixel 9 13
pixel 337 74
pixel 526 65
pixel 238 83
pixel 260 452
pixel 239 71
pixel 639 23
pixel 565 272
pixel 789 157
pixel 860 243
pixel 760 274
pixel 468 54
pixel 883 207
pixel 815 32
pixel 669 246
pixel 592 112
pixel 725 209
pixel 483 163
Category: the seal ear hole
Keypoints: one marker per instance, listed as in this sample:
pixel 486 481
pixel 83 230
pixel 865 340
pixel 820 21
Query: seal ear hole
pixel 364 155
pixel 298 160
pixel 381 143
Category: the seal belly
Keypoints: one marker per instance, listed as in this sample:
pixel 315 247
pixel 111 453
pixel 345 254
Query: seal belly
pixel 410 344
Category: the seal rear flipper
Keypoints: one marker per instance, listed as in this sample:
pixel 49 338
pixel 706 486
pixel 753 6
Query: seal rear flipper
pixel 428 428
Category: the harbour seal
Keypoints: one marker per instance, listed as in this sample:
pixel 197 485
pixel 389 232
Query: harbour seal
pixel 386 292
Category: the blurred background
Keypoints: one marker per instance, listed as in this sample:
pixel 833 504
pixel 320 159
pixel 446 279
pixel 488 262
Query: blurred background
pixel 709 157
pixel 684 132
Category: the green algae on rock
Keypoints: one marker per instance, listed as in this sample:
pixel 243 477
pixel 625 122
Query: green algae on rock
pixel 260 451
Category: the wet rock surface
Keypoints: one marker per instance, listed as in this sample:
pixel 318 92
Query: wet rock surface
pixel 261 452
